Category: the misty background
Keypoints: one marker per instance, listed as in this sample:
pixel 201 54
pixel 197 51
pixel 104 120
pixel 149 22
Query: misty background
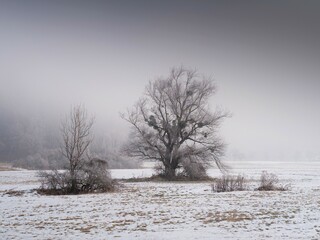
pixel 264 56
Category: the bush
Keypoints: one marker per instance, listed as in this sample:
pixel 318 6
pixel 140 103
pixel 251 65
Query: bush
pixel 96 177
pixel 190 171
pixel 269 181
pixel 194 170
pixel 229 183
pixel 53 182
pixel 92 177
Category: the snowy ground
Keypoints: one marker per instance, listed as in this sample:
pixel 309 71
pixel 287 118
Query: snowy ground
pixel 167 210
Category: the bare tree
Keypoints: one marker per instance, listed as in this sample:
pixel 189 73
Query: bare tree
pixel 173 124
pixel 84 174
pixel 76 140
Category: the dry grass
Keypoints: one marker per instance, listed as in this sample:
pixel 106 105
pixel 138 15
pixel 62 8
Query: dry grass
pixel 227 216
pixel 14 193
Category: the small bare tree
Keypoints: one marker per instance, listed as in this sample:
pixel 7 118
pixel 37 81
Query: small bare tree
pixel 172 123
pixel 83 174
pixel 76 140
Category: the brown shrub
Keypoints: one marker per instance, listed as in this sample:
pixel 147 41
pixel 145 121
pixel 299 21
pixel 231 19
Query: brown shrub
pixel 229 183
pixel 269 182
pixel 92 177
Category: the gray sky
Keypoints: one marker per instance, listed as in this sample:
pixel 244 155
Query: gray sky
pixel 264 55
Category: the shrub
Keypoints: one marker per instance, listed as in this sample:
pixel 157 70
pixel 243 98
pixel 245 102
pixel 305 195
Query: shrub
pixel 83 174
pixel 190 171
pixel 229 183
pixel 54 182
pixel 96 177
pixel 92 177
pixel 269 182
pixel 194 170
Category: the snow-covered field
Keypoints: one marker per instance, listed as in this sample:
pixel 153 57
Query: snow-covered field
pixel 160 210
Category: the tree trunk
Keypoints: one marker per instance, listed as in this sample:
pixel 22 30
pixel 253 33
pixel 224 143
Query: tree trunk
pixel 170 167
pixel 73 181
pixel 169 172
pixel 73 186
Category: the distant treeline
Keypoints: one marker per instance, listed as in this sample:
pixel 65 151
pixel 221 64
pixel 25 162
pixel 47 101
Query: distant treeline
pixel 33 143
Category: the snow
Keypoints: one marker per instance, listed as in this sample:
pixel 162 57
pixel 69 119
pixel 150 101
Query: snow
pixel 176 210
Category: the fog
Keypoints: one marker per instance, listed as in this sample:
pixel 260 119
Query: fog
pixel 264 56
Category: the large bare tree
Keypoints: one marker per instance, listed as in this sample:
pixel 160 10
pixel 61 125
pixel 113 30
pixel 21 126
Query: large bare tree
pixel 172 123
pixel 76 140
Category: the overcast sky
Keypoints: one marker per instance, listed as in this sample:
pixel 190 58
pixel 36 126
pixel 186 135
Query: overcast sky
pixel 264 56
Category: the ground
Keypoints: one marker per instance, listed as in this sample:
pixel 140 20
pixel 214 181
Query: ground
pixel 150 210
